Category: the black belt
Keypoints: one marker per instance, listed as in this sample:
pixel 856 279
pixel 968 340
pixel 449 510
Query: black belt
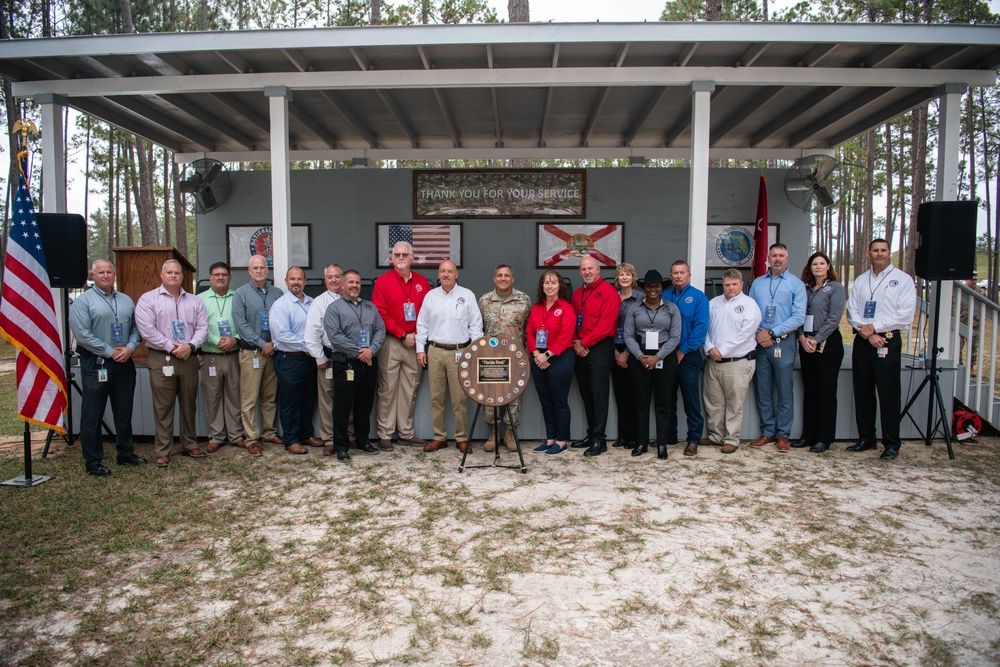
pixel 725 360
pixel 888 335
pixel 342 358
pixel 446 346
pixel 294 354
pixel 220 354
pixel 249 347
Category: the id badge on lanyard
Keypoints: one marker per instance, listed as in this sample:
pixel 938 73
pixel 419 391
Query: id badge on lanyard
pixel 770 313
pixel 620 336
pixel 542 339
pixel 225 329
pixel 177 330
pixel 870 309
pixel 264 322
pixel 118 333
pixel 363 338
pixel 410 312
pixel 652 340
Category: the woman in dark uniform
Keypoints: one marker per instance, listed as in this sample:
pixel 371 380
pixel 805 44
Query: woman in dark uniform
pixel 821 351
pixel 625 282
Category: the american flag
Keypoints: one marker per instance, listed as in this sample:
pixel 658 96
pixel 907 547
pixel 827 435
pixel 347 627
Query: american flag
pixel 28 317
pixel 432 244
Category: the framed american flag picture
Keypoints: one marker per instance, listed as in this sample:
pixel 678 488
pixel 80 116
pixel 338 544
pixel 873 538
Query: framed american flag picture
pixel 560 244
pixel 432 244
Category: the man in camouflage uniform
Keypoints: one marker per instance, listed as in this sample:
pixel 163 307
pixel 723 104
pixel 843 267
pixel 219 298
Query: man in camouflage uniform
pixel 505 313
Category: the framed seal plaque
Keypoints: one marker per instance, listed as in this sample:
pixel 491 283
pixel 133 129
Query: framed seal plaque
pixel 498 371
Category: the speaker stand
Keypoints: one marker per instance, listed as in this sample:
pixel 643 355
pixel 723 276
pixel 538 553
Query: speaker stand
pixel 27 479
pixel 932 379
pixel 70 382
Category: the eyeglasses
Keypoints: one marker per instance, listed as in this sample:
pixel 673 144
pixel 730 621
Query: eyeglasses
pixel 400 254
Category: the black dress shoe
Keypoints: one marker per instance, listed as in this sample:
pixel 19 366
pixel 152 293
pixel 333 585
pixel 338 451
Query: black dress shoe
pixel 661 451
pixel 98 471
pixel 861 446
pixel 598 448
pixel 799 444
pixel 581 444
pixel 890 453
pixel 343 456
pixel 367 448
pixel 630 444
pixel 132 460
pixel 819 447
pixel 619 442
pixel 638 451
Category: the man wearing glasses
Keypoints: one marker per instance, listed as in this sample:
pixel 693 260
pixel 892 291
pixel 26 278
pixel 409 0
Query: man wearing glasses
pixel 398 295
pixel 220 364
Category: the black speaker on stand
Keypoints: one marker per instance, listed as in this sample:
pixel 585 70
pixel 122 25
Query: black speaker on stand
pixel 64 240
pixel 946 250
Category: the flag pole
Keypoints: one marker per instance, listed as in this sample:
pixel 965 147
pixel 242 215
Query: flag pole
pixel 27 479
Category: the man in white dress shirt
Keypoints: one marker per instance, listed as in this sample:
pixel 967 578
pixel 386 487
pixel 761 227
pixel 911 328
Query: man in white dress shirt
pixel 318 345
pixel 731 349
pixel 448 322
pixel 880 308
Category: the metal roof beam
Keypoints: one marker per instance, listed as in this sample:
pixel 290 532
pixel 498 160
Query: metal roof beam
pixel 990 62
pixel 234 60
pixel 198 114
pixel 840 113
pixel 684 122
pixel 510 78
pixel 449 120
pixel 53 68
pixel 643 116
pixel 113 69
pixel 544 126
pixel 880 55
pixel 941 55
pixel 785 117
pixel 166 65
pixel 95 108
pixel 390 104
pixel 351 118
pixel 241 109
pixel 493 100
pixel 297 59
pixel 147 112
pixel 687 52
pixel 311 125
pixel 909 102
pixel 602 97
pixel 760 100
pixel 750 56
pixel 817 54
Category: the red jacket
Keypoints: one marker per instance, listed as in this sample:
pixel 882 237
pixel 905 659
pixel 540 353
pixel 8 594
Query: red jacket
pixel 559 322
pixel 389 295
pixel 599 304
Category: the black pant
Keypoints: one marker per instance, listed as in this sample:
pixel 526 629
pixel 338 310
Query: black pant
pixel 296 395
pixel 593 374
pixel 871 373
pixel 120 388
pixel 655 383
pixel 355 397
pixel 621 380
pixel 820 371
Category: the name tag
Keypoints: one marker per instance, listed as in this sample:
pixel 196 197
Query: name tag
pixel 579 321
pixel 363 337
pixel 212 371
pixel 810 324
pixel 870 309
pixel 410 312
pixel 458 356
pixel 770 313
pixel 225 329
pixel 777 351
pixel 102 375
pixel 329 373
pixel 620 336
pixel 177 329
pixel 652 340
pixel 118 333
pixel 350 375
pixel 264 322
pixel 256 361
pixel 168 371
pixel 883 352
pixel 542 339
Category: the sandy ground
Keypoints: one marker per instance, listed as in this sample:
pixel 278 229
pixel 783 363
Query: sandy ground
pixel 748 559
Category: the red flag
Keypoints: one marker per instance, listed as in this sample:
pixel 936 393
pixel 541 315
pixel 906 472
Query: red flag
pixel 760 231
pixel 28 318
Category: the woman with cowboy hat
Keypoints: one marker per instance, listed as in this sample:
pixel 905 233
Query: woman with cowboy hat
pixel 652 332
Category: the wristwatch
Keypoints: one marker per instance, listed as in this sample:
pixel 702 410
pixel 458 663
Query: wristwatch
pixel 770 332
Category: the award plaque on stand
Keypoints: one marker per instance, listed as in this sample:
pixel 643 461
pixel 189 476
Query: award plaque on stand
pixel 494 372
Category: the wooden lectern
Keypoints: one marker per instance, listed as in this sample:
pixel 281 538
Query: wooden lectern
pixel 138 271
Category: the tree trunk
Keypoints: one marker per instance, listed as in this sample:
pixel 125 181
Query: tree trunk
pixel 142 190
pixel 180 212
pixel 517 11
pixel 868 223
pixel 919 154
pixel 376 12
pixel 713 10
pixel 987 168
pixel 127 25
pixel 204 14
pixel 130 184
pixel 890 212
pixel 902 200
pixel 166 197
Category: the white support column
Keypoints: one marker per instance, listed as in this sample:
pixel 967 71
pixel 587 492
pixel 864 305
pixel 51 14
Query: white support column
pixel 701 106
pixel 53 107
pixel 946 189
pixel 281 200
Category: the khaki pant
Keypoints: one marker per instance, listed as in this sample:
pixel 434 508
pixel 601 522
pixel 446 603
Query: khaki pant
pixel 180 388
pixel 442 370
pixel 324 402
pixel 257 383
pixel 398 379
pixel 725 391
pixel 515 414
pixel 222 396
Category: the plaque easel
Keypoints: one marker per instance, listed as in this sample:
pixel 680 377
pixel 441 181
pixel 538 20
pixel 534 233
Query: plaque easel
pixel 494 372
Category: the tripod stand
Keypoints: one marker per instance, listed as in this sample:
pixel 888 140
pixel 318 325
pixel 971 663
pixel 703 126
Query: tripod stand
pixel 932 379
pixel 498 413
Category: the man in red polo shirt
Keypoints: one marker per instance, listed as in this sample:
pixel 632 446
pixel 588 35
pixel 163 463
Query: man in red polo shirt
pixel 398 294
pixel 596 304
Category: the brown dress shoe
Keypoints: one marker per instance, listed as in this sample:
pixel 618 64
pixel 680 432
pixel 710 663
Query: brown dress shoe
pixel 162 462
pixel 195 453
pixel 328 450
pixel 313 442
pixel 707 442
pixel 241 443
pixel 275 441
pixel 728 448
pixel 435 445
pixel 213 447
pixel 783 444
pixel 463 446
pixel 385 445
pixel 761 441
pixel 253 449
pixel 296 448
pixel 412 442
pixel 691 449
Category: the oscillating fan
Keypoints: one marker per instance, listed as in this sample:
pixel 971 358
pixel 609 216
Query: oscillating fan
pixel 810 183
pixel 208 181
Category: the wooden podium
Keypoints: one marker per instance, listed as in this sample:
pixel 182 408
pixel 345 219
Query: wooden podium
pixel 138 271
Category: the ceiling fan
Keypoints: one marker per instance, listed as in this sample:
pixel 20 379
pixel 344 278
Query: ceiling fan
pixel 208 181
pixel 811 182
